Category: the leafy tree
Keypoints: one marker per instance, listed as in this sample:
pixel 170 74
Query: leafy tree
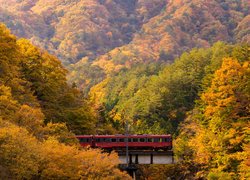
pixel 155 98
pixel 218 143
pixel 37 92
pixel 59 102
pixel 23 157
pixel 10 70
pixel 18 152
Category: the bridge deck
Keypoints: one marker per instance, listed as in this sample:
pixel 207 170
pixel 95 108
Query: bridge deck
pixel 147 157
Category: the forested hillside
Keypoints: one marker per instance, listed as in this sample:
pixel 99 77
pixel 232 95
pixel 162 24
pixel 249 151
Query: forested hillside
pixel 106 36
pixel 179 67
pixel 179 27
pixel 215 135
pixel 78 28
pixel 38 113
pixel 155 98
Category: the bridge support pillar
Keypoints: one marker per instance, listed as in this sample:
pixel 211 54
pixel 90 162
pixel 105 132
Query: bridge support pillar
pixel 131 169
pixel 147 157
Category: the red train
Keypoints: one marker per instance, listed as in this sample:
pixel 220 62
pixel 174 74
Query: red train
pixel 110 142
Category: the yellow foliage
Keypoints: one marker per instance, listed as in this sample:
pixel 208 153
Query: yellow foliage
pixel 31 118
pixel 220 139
pixel 223 96
pixel 24 157
pixel 245 164
pixel 18 152
pixel 97 92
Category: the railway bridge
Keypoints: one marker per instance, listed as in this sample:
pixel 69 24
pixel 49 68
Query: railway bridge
pixel 146 157
pixel 133 149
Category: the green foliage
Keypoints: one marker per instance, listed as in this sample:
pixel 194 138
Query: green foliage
pixel 219 176
pixel 208 89
pixel 120 91
pixel 155 98
pixel 85 75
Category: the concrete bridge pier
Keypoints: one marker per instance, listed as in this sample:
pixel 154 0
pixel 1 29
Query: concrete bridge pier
pixel 147 157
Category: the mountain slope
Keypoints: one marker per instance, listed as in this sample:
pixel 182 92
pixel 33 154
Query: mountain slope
pixel 95 38
pixel 182 26
pixel 78 28
pixel 179 27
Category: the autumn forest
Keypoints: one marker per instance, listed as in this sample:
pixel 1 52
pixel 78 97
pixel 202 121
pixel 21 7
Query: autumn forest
pixel 75 67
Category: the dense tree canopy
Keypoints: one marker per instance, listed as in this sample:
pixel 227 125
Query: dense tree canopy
pixel 218 136
pixel 155 98
pixel 111 35
pixel 38 113
pixel 164 66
